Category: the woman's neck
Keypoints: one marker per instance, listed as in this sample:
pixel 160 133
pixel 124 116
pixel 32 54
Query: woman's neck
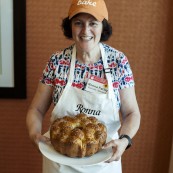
pixel 89 57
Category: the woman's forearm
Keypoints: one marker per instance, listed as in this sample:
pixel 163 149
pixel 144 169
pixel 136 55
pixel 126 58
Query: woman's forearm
pixel 130 124
pixel 39 106
pixel 34 121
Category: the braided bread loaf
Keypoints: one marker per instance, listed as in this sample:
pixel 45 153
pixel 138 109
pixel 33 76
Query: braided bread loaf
pixel 77 136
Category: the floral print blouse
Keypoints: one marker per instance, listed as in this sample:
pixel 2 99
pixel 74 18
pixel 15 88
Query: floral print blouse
pixel 56 71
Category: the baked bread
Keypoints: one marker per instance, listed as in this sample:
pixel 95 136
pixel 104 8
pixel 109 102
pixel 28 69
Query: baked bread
pixel 77 136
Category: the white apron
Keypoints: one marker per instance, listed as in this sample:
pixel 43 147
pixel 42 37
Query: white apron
pixel 103 106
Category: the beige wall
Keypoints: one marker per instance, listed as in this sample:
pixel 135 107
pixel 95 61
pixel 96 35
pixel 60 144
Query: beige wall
pixel 144 32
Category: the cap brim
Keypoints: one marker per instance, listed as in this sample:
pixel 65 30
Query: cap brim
pixel 93 13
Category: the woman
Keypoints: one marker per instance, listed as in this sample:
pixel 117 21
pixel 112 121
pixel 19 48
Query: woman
pixel 67 77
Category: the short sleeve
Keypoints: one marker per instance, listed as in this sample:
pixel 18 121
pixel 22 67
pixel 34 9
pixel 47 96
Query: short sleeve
pixel 48 75
pixel 125 75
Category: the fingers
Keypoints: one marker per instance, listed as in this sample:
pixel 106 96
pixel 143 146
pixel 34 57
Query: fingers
pixel 117 149
pixel 109 144
pixel 39 138
pixel 115 156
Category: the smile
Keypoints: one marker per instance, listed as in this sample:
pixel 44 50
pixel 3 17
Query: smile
pixel 86 38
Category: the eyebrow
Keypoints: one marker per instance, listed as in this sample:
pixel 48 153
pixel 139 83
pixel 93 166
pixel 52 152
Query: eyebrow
pixel 90 19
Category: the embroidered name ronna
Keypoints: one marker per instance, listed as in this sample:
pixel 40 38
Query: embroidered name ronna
pixel 80 2
pixel 81 109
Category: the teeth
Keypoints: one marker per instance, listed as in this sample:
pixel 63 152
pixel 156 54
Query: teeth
pixel 87 38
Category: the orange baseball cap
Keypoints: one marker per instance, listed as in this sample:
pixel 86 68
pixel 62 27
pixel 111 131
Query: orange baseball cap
pixel 96 8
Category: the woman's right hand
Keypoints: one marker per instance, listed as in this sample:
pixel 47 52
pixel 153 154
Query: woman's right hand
pixel 36 138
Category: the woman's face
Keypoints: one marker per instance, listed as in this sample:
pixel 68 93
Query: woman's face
pixel 86 31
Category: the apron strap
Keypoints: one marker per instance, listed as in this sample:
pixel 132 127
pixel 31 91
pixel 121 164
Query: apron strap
pixel 107 72
pixel 72 66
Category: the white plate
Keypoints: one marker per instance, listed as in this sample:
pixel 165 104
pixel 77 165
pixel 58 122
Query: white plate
pixel 48 151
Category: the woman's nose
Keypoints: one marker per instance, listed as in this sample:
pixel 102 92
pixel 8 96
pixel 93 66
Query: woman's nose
pixel 85 28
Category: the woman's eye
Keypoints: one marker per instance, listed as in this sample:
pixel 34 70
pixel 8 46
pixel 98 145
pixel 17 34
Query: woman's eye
pixel 78 23
pixel 93 24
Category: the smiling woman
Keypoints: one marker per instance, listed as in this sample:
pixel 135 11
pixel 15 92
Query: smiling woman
pixel 86 31
pixel 68 75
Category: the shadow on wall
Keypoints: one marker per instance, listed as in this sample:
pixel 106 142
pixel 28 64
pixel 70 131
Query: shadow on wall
pixel 164 132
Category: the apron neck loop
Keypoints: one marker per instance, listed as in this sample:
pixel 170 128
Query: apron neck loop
pixel 106 68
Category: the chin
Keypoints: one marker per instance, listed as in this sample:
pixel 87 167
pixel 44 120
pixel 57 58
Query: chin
pixel 87 46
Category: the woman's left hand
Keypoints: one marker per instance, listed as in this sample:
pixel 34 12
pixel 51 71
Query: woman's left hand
pixel 118 148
